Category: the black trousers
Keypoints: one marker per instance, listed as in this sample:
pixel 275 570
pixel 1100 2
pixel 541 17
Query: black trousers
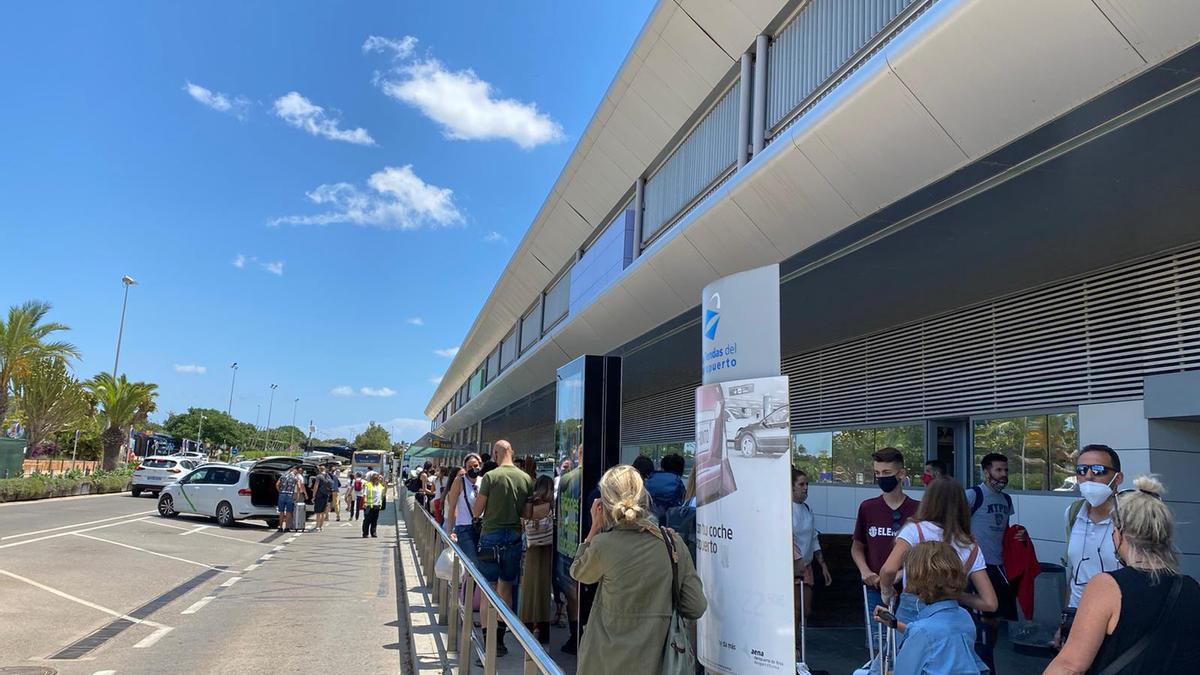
pixel 370 520
pixel 354 510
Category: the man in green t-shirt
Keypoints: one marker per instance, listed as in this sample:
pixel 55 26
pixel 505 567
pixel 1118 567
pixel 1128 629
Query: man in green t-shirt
pixel 502 496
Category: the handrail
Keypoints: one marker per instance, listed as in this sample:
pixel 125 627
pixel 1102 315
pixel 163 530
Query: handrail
pixel 431 539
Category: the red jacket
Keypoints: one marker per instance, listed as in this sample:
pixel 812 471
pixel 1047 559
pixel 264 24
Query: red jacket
pixel 1021 566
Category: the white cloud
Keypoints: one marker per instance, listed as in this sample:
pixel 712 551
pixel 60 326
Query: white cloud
pixel 435 380
pixel 495 237
pixel 275 268
pixel 415 321
pixel 400 49
pixel 304 114
pixel 343 390
pixel 190 368
pixel 381 392
pixel 448 352
pixel 240 261
pixel 466 107
pixel 401 428
pixel 234 105
pixel 398 200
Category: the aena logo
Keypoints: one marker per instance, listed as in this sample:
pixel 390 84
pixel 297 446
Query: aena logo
pixel 712 317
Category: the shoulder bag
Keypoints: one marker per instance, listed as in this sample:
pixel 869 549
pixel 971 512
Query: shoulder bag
pixel 539 531
pixel 677 656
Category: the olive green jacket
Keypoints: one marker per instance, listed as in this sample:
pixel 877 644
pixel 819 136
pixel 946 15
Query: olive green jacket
pixel 627 628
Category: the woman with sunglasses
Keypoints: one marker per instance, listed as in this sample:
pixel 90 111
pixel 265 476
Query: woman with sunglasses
pixel 1139 618
pixel 1089 526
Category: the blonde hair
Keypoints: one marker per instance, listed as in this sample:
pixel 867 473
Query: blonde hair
pixel 1147 526
pixel 625 499
pixel 935 571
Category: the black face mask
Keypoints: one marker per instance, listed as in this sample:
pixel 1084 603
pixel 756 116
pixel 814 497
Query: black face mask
pixel 887 483
pixel 472 473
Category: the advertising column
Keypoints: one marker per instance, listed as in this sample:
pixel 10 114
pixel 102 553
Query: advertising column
pixel 743 512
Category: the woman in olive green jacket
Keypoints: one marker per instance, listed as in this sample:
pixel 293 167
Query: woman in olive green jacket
pixel 626 555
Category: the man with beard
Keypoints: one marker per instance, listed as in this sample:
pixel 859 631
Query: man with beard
pixel 991 510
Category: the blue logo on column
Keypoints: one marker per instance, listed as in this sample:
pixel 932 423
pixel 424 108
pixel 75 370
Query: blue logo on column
pixel 712 317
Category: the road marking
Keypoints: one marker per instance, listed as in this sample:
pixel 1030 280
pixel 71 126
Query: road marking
pixel 81 601
pixel 150 639
pixel 105 672
pixel 195 530
pixel 277 549
pixel 145 550
pixel 64 534
pixel 251 568
pixel 196 606
pixel 231 582
pixel 67 527
pixel 207 534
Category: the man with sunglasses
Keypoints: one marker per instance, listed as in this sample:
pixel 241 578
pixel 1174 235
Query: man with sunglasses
pixel 1089 525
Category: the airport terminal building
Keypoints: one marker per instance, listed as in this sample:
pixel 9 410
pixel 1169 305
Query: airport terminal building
pixel 986 216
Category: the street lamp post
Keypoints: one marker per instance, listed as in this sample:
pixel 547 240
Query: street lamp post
pixel 292 431
pixel 128 281
pixel 229 410
pixel 270 406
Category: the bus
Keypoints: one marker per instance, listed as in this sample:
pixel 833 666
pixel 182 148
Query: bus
pixel 372 460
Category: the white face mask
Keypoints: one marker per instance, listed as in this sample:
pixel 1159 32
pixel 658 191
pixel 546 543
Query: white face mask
pixel 1095 493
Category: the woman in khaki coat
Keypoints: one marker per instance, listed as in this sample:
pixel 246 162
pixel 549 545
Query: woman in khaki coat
pixel 626 555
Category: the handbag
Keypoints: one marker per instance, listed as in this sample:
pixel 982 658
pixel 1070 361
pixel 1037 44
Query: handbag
pixel 677 656
pixel 539 531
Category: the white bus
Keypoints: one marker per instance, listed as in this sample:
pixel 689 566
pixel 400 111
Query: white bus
pixel 372 460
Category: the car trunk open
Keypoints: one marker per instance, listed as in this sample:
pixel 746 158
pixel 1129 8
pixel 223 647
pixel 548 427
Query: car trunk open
pixel 265 473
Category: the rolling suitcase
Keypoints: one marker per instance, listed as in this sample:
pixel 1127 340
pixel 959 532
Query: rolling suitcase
pixel 298 517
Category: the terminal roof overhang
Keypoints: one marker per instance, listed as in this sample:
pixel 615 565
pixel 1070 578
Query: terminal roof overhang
pixel 845 160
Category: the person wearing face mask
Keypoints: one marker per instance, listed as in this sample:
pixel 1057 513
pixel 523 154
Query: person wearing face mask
pixel 934 468
pixel 991 510
pixel 460 499
pixel 879 520
pixel 1089 526
pixel 1139 618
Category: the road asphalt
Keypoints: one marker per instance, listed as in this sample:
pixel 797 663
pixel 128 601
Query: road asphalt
pixel 104 585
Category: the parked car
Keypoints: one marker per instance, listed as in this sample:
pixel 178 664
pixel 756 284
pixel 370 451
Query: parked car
pixel 154 473
pixel 230 493
pixel 769 436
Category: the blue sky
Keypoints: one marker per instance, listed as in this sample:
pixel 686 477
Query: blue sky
pixel 322 192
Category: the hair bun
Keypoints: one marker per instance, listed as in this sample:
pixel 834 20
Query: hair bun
pixel 1149 483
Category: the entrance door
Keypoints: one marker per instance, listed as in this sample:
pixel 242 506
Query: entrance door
pixel 947 442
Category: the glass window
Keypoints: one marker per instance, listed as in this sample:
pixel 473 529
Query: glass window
pixel 493 364
pixel 476 383
pixel 531 327
pixel 556 302
pixel 508 349
pixel 1039 448
pixel 844 455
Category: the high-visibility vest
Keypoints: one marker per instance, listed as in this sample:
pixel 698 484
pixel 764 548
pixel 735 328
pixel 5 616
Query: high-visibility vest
pixel 373 494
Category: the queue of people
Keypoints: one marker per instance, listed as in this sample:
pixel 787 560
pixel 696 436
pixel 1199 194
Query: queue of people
pixel 365 496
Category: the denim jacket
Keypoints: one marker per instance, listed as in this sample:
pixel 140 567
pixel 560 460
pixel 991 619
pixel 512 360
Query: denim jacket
pixel 939 642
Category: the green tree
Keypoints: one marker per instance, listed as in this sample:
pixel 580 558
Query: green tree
pixel 23 342
pixel 374 438
pixel 49 400
pixel 90 446
pixel 333 441
pixel 218 427
pixel 122 404
pixel 289 435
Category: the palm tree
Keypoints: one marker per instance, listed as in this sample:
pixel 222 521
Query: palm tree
pixel 50 400
pixel 23 343
pixel 122 404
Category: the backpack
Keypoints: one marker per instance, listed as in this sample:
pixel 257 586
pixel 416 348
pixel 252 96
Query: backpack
pixel 682 519
pixel 978 500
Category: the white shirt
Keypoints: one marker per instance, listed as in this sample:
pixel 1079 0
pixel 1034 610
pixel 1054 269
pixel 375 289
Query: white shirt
pixel 804 532
pixel 469 490
pixel 1089 551
pixel 933 532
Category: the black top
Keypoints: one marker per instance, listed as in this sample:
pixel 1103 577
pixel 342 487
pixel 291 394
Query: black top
pixel 1175 647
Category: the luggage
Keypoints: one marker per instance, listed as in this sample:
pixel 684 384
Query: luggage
pixel 299 515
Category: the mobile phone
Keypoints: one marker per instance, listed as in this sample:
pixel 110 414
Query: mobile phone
pixel 886 617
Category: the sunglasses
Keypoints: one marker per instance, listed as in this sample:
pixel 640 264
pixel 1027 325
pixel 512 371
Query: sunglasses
pixel 1096 469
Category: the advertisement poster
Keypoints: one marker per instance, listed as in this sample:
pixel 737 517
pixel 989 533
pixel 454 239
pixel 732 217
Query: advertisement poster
pixel 743 499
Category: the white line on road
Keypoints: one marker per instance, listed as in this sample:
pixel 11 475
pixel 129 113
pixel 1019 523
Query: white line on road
pixel 81 601
pixel 231 582
pixel 251 568
pixel 151 521
pixel 151 639
pixel 67 527
pixel 195 530
pixel 105 672
pixel 196 606
pixel 277 548
pixel 145 550
pixel 64 534
pixel 267 556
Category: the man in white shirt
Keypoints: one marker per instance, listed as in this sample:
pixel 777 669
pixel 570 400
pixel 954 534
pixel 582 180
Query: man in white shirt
pixel 1089 524
pixel 806 547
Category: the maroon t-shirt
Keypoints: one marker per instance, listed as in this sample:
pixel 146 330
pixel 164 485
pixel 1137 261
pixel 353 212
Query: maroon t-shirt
pixel 877 526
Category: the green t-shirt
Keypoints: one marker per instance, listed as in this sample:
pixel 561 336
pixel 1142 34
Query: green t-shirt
pixel 506 488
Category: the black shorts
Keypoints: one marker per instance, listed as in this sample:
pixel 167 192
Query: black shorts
pixel 1005 595
pixel 320 503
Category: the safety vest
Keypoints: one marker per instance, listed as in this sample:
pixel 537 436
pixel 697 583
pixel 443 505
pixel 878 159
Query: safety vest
pixel 373 494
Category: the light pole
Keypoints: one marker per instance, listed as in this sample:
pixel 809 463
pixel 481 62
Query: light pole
pixel 292 431
pixel 128 281
pixel 257 415
pixel 229 410
pixel 270 405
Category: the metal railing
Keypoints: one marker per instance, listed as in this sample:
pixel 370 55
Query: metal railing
pixel 454 600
